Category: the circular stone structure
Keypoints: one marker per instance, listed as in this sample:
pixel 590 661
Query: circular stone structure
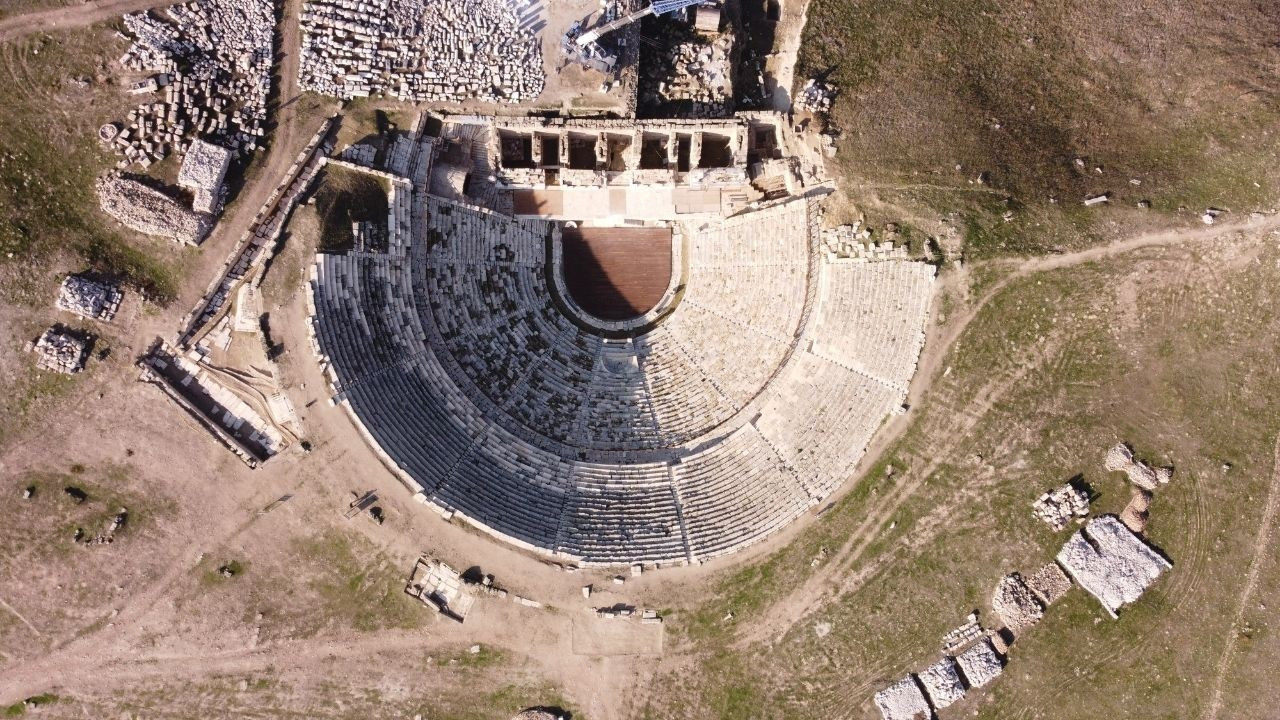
pixel 741 399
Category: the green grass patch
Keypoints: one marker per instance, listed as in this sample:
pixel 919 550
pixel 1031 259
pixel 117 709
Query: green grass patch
pixel 58 89
pixel 1050 103
pixel 345 197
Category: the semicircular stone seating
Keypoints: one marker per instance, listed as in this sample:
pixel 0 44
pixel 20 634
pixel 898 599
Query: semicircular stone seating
pixel 747 405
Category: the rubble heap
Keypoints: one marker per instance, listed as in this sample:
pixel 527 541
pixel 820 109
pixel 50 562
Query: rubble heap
pixel 815 97
pixel 942 683
pixel 60 351
pixel 212 59
pixel 420 50
pixel 1049 583
pixel 1120 459
pixel 89 298
pixel 1015 604
pixel 854 241
pixel 980 664
pixel 203 170
pixel 1110 562
pixel 696 77
pixel 148 211
pixel 1059 505
pixel 903 700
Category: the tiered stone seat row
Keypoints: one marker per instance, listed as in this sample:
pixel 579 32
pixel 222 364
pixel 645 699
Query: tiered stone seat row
pixel 619 414
pixel 871 316
pixel 842 410
pixel 770 237
pixel 458 232
pixel 771 308
pixel 616 513
pixel 686 401
pixel 736 492
pixel 458 366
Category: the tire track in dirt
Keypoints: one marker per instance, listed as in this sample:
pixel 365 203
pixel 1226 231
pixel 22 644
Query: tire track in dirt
pixel 1184 582
pixel 74 16
pixel 793 608
pixel 1260 554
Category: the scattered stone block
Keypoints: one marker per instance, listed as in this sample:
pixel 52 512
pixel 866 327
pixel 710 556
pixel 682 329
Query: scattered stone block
pixel 61 351
pixel 1058 506
pixel 89 298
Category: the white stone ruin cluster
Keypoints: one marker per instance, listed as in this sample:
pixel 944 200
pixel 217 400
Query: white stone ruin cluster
pixel 150 211
pixel 89 298
pixel 1111 563
pixel 941 684
pixel 1106 558
pixel 1120 459
pixel 1058 506
pixel 61 351
pixel 420 50
pixel 854 242
pixel 815 97
pixel 212 61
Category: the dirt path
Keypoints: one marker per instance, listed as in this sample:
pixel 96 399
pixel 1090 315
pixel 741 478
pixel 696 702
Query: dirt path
pixel 819 588
pixel 781 67
pixel 1260 555
pixel 74 16
pixel 287 140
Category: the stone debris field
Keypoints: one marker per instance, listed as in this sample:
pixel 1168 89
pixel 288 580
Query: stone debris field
pixel 696 77
pixel 420 50
pixel 89 298
pixel 208 66
pixel 1106 558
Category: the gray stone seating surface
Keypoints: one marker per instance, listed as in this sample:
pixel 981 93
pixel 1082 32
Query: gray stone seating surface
pixel 685 401
pixel 715 344
pixel 872 316
pixel 736 492
pixel 462 233
pixel 688 442
pixel 766 238
pixel 618 413
pixel 622 513
pixel 773 306
pixel 842 410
